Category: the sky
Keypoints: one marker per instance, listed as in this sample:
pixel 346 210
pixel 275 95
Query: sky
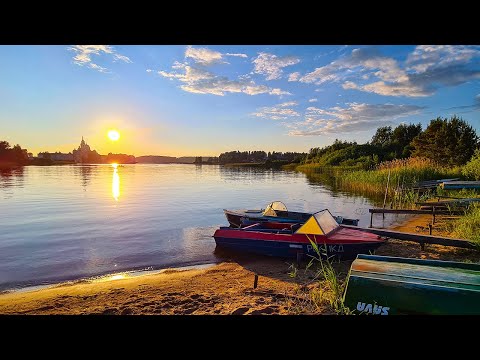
pixel 189 100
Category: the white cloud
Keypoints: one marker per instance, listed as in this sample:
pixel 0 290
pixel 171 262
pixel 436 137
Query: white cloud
pixel 178 65
pixel 201 81
pixel 84 55
pixel 396 89
pixel 287 104
pixel 294 76
pixel 312 100
pixel 149 70
pixel 426 69
pixel 271 65
pixel 278 112
pixel 367 58
pixel 204 56
pixel 280 92
pixel 426 57
pixel 237 55
pixel 353 117
pixel 349 85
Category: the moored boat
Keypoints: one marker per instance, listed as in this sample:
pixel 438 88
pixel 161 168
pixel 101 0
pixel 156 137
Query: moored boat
pixel 275 211
pixel 294 239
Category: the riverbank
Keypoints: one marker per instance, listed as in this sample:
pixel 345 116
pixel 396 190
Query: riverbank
pixel 225 288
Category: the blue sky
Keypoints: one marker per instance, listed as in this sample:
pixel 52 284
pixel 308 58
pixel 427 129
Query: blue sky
pixel 204 100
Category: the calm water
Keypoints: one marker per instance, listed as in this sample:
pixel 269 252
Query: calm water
pixel 62 223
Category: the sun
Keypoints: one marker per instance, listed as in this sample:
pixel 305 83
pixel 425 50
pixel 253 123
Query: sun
pixel 114 135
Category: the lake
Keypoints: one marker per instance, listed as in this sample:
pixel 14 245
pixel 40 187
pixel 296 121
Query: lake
pixel 60 223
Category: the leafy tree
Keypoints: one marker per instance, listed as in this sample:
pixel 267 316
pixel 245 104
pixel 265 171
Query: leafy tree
pixel 383 137
pixel 402 136
pixel 15 155
pixel 4 146
pixel 448 141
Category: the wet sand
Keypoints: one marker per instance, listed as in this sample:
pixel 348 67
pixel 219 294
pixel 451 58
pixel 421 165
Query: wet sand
pixel 225 288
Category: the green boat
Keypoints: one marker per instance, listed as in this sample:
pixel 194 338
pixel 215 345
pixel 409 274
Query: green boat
pixel 387 285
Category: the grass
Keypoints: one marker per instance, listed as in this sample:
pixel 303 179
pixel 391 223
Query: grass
pixel 403 173
pixel 328 290
pixel 468 226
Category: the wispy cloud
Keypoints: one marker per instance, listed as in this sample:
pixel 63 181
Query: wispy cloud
pixel 294 76
pixel 237 55
pixel 467 108
pixel 279 112
pixel 201 81
pixel 271 65
pixel 84 55
pixel 426 69
pixel 287 104
pixel 312 100
pixel 353 117
pixel 205 56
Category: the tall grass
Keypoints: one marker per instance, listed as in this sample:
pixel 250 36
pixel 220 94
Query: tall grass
pixel 468 226
pixel 330 285
pixel 403 174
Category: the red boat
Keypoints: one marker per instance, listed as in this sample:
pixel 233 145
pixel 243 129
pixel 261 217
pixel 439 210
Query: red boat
pixel 292 240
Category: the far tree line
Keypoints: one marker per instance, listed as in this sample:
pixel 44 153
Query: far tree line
pixel 449 142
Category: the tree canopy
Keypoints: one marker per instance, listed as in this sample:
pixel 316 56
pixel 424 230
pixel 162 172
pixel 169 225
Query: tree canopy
pixel 15 155
pixel 448 141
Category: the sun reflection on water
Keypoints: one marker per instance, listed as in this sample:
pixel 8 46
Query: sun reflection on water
pixel 115 183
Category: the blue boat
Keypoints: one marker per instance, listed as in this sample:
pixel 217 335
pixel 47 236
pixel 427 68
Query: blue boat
pixel 275 211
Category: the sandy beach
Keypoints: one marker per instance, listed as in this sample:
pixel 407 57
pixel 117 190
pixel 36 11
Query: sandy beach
pixel 225 288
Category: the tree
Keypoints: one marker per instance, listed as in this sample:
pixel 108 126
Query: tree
pixel 15 155
pixel 4 146
pixel 448 141
pixel 383 136
pixel 402 136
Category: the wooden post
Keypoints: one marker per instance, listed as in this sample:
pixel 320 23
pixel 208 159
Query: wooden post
pixel 371 219
pixel 422 245
pixel 255 282
pixel 299 257
pixel 430 228
pixel 433 215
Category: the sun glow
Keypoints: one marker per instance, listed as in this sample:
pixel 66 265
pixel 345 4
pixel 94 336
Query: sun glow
pixel 113 135
pixel 115 183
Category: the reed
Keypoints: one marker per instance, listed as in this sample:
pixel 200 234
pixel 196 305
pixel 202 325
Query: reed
pixel 468 226
pixel 403 174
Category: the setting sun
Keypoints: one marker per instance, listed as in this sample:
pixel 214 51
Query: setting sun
pixel 114 135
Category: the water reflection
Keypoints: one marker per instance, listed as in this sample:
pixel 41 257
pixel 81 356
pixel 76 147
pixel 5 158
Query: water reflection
pixel 85 174
pixel 11 177
pixel 115 183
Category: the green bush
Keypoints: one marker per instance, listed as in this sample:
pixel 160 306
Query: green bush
pixel 472 169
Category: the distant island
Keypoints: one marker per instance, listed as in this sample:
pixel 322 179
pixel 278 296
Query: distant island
pixel 156 159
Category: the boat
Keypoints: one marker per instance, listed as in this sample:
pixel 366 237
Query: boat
pixel 299 240
pixel 387 285
pixel 275 211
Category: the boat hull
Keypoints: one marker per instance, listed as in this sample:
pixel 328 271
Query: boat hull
pixel 294 246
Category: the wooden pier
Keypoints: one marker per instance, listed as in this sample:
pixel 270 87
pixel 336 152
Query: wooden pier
pixel 422 239
pixel 432 212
